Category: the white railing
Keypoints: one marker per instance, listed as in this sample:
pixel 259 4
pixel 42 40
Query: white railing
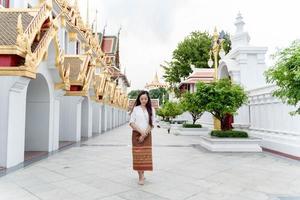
pixel 269 114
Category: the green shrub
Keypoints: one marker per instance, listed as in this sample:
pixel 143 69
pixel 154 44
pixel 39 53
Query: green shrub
pixel 191 125
pixel 229 134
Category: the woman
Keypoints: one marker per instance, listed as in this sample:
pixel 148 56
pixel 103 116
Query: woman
pixel 141 121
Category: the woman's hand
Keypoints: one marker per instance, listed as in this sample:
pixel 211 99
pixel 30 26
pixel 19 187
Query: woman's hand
pixel 141 139
pixel 148 130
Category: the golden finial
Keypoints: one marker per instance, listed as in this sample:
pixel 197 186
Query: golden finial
pixel 19 25
pixel 216 35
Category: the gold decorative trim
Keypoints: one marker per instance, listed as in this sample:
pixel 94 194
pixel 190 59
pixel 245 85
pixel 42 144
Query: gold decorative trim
pixel 77 93
pixel 20 10
pixel 17 71
pixel 58 86
pixel 12 49
pixel 63 21
pixel 72 36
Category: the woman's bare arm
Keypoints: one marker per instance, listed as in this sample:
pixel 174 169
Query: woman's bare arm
pixel 136 128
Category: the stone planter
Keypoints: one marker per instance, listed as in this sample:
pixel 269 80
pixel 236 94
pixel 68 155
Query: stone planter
pixel 164 124
pixel 174 128
pixel 215 144
pixel 204 131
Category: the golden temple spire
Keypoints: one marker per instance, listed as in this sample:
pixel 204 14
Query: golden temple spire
pixel 87 12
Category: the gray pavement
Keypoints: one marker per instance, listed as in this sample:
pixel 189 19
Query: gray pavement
pixel 101 169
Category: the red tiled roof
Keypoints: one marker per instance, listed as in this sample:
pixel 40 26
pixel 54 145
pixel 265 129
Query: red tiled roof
pixel 203 75
pixel 195 80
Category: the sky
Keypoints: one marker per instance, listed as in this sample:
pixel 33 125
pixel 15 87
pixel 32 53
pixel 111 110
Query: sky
pixel 151 29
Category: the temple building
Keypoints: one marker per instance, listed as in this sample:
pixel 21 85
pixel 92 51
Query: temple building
pixel 264 116
pixel 199 74
pixel 155 84
pixel 60 81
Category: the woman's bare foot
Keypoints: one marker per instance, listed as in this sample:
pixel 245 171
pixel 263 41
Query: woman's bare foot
pixel 141 181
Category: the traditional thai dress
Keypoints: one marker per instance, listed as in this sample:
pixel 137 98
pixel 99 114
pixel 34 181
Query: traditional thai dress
pixel 141 152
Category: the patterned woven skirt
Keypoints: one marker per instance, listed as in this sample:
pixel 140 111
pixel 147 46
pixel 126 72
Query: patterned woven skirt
pixel 142 152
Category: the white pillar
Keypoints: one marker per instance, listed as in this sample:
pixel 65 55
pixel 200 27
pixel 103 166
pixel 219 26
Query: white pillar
pixel 56 115
pixel 108 117
pixel 97 117
pixel 119 117
pixel 70 118
pixel 86 117
pixel 104 118
pixel 112 118
pixel 13 92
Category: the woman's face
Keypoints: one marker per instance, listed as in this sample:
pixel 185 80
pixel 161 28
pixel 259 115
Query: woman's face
pixel 143 99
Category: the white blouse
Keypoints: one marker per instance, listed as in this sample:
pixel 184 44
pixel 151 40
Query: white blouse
pixel 141 117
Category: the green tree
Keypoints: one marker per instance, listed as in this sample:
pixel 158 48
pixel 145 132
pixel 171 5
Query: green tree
pixel 159 93
pixel 160 112
pixel 286 75
pixel 190 103
pixel 133 94
pixel 221 97
pixel 170 110
pixel 193 50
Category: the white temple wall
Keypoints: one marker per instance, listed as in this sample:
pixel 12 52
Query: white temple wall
pixel 271 121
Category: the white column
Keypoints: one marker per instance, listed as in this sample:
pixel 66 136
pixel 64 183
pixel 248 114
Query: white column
pixel 104 118
pixel 96 117
pixel 13 92
pixel 56 116
pixel 70 118
pixel 108 117
pixel 86 117
pixel 112 117
pixel 119 117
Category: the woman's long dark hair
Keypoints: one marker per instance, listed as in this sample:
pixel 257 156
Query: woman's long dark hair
pixel 148 105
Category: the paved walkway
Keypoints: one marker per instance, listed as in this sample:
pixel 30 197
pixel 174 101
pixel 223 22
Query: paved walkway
pixel 101 169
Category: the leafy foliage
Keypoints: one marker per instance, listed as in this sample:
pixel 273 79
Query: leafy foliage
pixel 193 50
pixel 191 125
pixel 190 103
pixel 286 75
pixel 169 110
pixel 133 94
pixel 221 98
pixel 229 134
pixel 160 93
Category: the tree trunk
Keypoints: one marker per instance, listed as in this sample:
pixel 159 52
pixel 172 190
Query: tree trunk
pixel 194 120
pixel 223 124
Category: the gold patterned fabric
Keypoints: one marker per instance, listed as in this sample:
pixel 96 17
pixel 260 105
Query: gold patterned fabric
pixel 142 152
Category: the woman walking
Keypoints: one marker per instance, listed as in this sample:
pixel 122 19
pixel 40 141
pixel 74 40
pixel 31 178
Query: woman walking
pixel 141 121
